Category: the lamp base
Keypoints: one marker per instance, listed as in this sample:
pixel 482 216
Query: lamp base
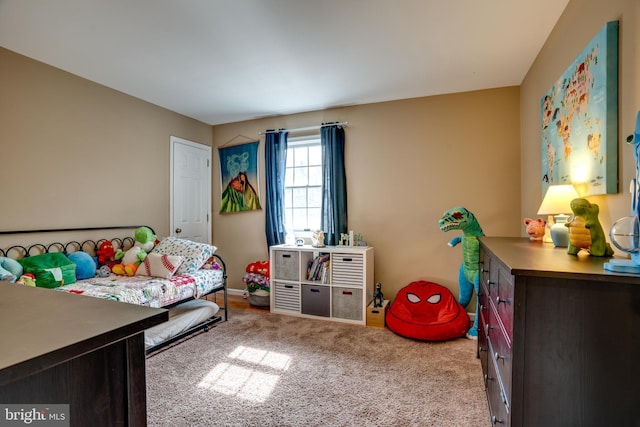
pixel 560 232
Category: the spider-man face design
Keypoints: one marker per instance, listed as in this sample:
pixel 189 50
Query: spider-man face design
pixel 428 311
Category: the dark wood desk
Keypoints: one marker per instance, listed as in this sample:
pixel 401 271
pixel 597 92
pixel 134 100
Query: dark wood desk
pixel 59 348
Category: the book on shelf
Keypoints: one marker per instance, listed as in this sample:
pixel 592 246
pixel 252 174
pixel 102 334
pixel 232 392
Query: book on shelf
pixel 317 266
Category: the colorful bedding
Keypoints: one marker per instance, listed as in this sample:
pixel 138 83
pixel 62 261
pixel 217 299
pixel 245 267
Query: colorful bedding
pixel 149 291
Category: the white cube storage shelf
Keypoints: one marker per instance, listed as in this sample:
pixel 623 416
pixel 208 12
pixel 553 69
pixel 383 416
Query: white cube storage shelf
pixel 342 296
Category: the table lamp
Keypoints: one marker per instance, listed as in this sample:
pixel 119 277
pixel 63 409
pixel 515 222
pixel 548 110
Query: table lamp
pixel 556 204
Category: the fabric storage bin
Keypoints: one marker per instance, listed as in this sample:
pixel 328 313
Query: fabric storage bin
pixel 315 300
pixel 287 266
pixel 347 303
pixel 346 269
pixel 286 296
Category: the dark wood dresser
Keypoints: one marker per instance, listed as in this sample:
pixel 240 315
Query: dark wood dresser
pixel 59 348
pixel 558 337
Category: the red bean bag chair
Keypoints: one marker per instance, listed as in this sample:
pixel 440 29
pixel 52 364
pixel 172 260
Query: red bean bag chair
pixel 427 311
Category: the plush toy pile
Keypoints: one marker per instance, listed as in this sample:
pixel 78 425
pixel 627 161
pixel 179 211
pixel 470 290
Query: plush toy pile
pixel 427 311
pixel 257 280
pixel 128 261
pixel 257 276
pixel 56 268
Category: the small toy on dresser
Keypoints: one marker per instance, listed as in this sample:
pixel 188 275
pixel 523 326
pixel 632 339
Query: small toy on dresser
pixel 535 228
pixel 585 231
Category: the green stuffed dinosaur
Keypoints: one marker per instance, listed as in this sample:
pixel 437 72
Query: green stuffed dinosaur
pixel 585 231
pixel 460 218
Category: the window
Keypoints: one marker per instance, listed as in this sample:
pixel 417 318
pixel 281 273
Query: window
pixel 303 184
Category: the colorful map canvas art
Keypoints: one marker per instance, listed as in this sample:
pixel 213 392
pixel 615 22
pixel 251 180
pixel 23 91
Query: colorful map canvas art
pixel 580 120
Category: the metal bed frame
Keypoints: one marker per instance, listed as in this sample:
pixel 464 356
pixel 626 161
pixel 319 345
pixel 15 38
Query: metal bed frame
pixel 91 246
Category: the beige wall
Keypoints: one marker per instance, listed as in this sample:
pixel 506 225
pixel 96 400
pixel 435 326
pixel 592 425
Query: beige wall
pixel 407 162
pixel 79 154
pixel 581 20
pixel 76 154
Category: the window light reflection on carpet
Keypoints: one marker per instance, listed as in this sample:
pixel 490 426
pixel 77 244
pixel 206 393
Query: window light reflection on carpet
pixel 270 359
pixel 247 382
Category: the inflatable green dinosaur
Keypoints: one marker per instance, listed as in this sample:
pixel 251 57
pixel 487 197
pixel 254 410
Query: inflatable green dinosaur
pixel 460 218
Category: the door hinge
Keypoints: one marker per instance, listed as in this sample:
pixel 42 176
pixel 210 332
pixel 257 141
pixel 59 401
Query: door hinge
pixel 207 217
pixel 207 162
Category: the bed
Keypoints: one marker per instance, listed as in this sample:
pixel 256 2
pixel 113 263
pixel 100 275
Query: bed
pixel 177 274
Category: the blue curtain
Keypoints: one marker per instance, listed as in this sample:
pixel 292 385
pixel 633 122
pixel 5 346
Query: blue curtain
pixel 275 163
pixel 334 184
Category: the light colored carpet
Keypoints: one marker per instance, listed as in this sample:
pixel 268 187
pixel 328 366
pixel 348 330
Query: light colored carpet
pixel 263 369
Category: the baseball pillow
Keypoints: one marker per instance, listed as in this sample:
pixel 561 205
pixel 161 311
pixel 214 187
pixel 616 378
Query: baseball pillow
pixel 159 265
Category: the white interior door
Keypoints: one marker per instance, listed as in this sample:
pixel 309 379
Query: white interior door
pixel 190 190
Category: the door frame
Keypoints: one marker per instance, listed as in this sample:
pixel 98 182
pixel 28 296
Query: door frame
pixel 174 140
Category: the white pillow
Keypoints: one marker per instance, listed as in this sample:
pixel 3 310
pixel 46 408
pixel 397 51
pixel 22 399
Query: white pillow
pixel 194 254
pixel 159 265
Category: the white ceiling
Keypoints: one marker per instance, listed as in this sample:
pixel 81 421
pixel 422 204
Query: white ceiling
pixel 222 61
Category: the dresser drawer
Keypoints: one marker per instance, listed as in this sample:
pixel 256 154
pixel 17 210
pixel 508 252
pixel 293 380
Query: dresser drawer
pixel 483 341
pixel 498 407
pixel 347 269
pixel 504 301
pixel 500 352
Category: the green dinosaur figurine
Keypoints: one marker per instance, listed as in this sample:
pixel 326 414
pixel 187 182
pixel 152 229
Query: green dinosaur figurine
pixel 585 231
pixel 460 218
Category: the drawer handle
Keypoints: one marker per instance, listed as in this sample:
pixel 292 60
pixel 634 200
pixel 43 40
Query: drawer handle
pixel 499 300
pixel 347 293
pixel 288 286
pixel 347 259
pixel 286 255
pixel 497 356
pixel 487 378
pixel 481 349
pixel 495 420
pixel 315 290
pixel 489 282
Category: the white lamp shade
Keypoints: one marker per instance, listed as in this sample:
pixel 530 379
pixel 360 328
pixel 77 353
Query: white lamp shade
pixel 557 200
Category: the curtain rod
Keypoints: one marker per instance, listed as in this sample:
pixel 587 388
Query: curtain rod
pixel 343 124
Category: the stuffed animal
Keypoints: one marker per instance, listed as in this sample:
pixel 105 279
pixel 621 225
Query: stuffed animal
pixel 85 265
pixel 145 239
pixel 535 228
pixel 585 231
pixel 10 269
pixel 460 218
pixel 27 279
pixel 129 261
pixel 106 254
pixel 124 269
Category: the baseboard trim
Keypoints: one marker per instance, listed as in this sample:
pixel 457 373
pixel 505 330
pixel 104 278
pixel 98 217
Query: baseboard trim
pixel 240 292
